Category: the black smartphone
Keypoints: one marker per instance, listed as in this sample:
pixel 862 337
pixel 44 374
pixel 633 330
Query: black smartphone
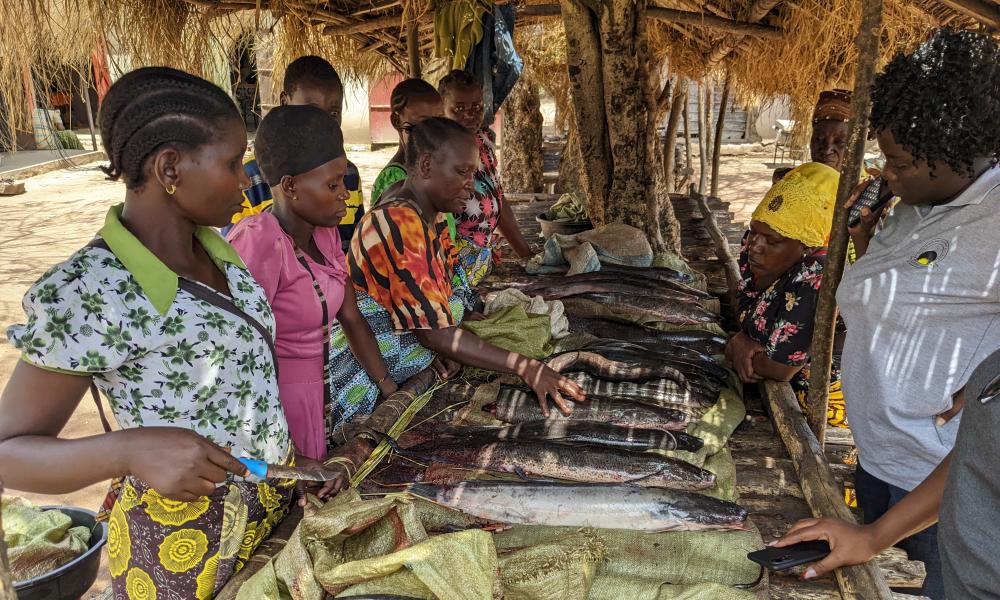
pixel 874 197
pixel 779 559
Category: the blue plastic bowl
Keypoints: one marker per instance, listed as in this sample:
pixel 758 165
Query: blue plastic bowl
pixel 74 578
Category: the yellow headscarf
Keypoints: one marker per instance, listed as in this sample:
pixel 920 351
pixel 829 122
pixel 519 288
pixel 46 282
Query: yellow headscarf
pixel 800 206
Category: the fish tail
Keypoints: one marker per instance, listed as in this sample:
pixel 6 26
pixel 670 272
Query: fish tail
pixel 422 490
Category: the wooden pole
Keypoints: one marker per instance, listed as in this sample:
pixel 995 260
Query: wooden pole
pixel 6 582
pixel 688 162
pixel 821 352
pixel 820 490
pixel 723 253
pixel 413 50
pixel 673 122
pixel 719 129
pixel 702 132
pixel 709 125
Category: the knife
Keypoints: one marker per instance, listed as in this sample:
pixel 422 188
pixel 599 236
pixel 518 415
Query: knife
pixel 265 471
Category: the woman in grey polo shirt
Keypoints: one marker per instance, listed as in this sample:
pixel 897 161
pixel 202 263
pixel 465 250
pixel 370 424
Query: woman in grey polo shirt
pixel 922 305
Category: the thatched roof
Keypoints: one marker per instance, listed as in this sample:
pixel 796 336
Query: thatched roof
pixel 768 47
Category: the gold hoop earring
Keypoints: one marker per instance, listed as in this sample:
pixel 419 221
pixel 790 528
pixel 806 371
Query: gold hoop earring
pixel 171 189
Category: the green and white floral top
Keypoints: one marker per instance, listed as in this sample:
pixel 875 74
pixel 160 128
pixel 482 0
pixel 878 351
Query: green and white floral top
pixel 164 351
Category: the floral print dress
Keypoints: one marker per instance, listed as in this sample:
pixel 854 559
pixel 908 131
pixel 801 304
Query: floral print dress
pixel 477 224
pixel 169 352
pixel 781 319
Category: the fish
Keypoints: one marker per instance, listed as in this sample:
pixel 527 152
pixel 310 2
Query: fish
pixel 377 597
pixel 574 288
pixel 663 309
pixel 614 370
pixel 659 273
pixel 598 281
pixel 624 351
pixel 585 505
pixel 694 344
pixel 540 458
pixel 659 392
pixel 588 433
pixel 514 405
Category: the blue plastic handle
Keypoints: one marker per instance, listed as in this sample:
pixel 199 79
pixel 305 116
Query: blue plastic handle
pixel 256 467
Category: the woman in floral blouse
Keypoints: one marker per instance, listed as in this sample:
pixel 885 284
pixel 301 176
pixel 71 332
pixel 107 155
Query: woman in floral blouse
pixel 781 262
pixel 163 317
pixel 485 211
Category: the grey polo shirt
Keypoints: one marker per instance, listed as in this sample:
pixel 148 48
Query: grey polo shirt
pixel 969 533
pixel 922 309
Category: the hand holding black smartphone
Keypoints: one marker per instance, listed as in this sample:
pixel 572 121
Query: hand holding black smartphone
pixel 780 559
pixel 874 197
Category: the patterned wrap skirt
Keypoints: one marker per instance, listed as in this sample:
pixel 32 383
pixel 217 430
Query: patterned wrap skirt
pixel 353 391
pixel 160 549
pixel 477 261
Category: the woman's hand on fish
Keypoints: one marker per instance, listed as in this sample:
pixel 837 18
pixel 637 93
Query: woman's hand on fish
pixel 178 463
pixel 545 383
pixel 850 543
pixel 321 489
pixel 445 368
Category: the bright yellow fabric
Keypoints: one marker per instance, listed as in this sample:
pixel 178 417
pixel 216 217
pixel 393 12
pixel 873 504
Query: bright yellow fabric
pixel 800 206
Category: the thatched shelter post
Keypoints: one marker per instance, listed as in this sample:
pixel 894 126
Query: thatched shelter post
pixel 702 137
pixel 677 106
pixel 615 117
pixel 412 44
pixel 522 151
pixel 717 144
pixel 821 351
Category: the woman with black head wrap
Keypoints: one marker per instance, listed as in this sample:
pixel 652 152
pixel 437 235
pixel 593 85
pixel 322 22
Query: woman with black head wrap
pixel 294 252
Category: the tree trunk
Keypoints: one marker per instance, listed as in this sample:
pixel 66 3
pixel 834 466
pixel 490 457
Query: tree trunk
pixel 670 141
pixel 571 165
pixel 615 109
pixel 702 141
pixel 717 144
pixel 584 63
pixel 688 160
pixel 522 153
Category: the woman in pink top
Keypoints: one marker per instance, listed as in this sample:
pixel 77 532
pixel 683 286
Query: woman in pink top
pixel 294 252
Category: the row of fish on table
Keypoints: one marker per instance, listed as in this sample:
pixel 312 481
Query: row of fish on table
pixel 602 466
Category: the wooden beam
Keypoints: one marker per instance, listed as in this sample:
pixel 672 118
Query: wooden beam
pixel 984 12
pixel 365 26
pixel 821 351
pixel 825 498
pixel 701 19
pixel 712 22
pixel 717 145
pixel 758 10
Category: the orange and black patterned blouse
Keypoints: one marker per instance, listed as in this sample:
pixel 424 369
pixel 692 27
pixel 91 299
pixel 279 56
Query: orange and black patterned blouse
pixel 405 266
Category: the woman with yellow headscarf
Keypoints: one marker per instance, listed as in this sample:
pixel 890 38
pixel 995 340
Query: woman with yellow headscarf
pixel 781 263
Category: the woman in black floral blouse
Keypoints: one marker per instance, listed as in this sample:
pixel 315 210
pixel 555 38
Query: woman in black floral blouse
pixel 781 263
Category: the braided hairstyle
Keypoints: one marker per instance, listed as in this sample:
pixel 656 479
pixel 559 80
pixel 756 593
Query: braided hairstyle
pixel 458 80
pixel 430 135
pixel 310 69
pixel 942 102
pixel 411 89
pixel 154 106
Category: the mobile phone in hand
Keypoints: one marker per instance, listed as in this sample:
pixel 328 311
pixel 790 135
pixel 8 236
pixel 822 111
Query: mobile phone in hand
pixel 874 197
pixel 780 559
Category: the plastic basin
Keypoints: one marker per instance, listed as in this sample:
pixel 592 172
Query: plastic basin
pixel 76 577
pixel 563 227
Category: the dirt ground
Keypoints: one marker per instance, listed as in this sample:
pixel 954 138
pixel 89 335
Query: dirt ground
pixel 62 210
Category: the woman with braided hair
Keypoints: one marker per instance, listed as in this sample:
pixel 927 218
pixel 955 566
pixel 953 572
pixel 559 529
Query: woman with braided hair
pixel 162 316
pixel 410 287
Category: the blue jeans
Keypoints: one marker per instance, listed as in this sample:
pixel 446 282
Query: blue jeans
pixel 875 498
